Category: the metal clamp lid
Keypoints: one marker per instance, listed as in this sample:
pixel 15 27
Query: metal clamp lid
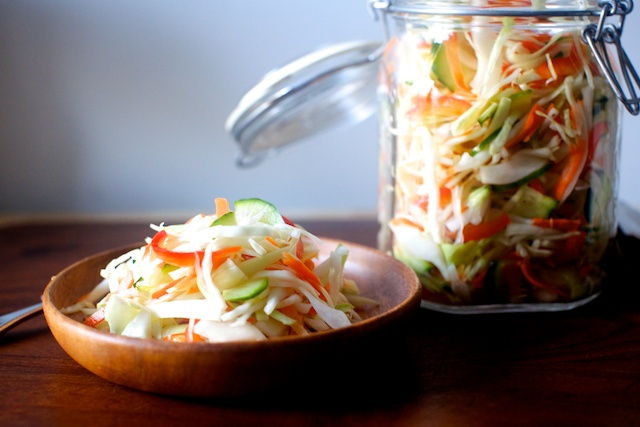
pixel 608 31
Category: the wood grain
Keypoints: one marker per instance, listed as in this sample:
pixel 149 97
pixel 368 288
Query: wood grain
pixel 574 368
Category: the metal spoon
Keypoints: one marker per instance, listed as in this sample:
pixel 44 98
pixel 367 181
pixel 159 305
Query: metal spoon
pixel 9 320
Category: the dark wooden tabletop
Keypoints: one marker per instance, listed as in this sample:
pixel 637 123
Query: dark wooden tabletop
pixel 572 368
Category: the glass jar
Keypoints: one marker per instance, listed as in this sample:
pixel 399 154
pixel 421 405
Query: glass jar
pixel 499 141
pixel 499 150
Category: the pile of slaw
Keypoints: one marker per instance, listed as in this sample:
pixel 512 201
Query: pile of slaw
pixel 247 274
pixel 503 162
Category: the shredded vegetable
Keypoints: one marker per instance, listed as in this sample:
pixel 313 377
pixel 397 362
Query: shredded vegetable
pixel 246 274
pixel 500 136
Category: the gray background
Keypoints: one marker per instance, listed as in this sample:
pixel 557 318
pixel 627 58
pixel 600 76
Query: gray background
pixel 118 107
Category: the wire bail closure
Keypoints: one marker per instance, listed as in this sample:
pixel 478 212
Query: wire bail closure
pixel 608 32
pixel 598 37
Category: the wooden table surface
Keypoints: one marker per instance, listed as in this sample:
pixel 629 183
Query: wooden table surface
pixel 572 368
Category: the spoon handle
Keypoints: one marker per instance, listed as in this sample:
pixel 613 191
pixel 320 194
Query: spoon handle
pixel 9 320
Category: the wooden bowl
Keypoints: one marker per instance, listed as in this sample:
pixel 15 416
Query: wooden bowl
pixel 232 368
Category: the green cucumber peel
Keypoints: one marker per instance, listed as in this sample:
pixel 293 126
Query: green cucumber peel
pixel 485 143
pixel 530 203
pixel 441 68
pixel 488 113
pixel 246 291
pixel 257 210
pixel 227 219
pixel 282 318
pixel 533 175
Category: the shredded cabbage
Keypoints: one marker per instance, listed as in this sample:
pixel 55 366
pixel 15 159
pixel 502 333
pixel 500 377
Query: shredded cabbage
pixel 248 276
pixel 507 107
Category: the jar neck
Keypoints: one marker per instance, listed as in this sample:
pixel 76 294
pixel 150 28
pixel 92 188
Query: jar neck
pixel 602 23
pixel 513 8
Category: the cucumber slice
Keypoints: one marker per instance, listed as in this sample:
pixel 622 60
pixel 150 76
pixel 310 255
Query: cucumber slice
pixel 529 203
pixel 256 210
pixel 488 113
pixel 441 68
pixel 227 219
pixel 514 171
pixel 463 253
pixel 533 175
pixel 484 143
pixel 500 115
pixel 246 291
pixel 521 101
pixel 420 266
pixel 282 318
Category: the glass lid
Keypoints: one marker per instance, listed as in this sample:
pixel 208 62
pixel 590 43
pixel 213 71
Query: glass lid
pixel 332 86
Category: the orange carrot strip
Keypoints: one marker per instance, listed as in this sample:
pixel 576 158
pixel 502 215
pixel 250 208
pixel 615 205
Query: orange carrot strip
pixel 164 289
pixel 576 161
pixel 272 241
pixel 290 311
pixel 179 337
pixel 302 271
pixel 191 336
pixel 562 66
pixel 531 125
pixel 445 197
pixel 222 206
pixel 220 256
pixel 453 58
pixel 310 264
pixel 442 105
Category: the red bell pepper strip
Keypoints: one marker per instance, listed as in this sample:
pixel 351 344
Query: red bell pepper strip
pixel 96 318
pixel 560 224
pixel 472 232
pixel 536 184
pixel 187 259
pixel 287 221
pixel 599 130
pixel 181 259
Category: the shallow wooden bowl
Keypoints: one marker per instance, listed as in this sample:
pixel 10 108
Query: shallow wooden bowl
pixel 233 368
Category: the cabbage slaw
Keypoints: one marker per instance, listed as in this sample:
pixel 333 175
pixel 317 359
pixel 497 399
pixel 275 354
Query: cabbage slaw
pixel 247 274
pixel 504 176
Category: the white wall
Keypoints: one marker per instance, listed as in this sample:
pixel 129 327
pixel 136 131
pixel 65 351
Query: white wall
pixel 119 106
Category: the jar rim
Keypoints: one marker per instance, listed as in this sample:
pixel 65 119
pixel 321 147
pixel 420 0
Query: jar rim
pixel 515 8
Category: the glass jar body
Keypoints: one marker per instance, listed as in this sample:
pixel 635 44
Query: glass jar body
pixel 499 144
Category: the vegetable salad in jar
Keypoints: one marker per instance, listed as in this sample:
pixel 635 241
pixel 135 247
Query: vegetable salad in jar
pixel 499 161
